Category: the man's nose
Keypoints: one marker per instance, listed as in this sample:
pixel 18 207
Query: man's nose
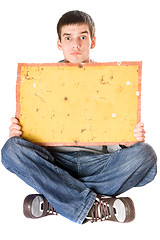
pixel 76 44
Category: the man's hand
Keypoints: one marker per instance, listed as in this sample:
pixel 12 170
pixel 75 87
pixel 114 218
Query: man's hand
pixel 139 133
pixel 15 128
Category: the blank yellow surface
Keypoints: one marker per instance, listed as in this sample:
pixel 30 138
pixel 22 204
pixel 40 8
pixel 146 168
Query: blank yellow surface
pixel 72 105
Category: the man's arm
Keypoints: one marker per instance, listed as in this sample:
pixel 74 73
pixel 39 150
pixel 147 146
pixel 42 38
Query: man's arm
pixel 15 128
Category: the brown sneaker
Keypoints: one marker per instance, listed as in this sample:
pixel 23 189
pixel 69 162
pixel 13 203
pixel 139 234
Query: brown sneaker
pixel 113 209
pixel 37 206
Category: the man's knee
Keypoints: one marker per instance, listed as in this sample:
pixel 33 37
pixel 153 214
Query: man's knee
pixel 146 153
pixel 9 149
pixel 9 145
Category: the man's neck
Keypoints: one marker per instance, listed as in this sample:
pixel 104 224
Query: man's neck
pixel 66 61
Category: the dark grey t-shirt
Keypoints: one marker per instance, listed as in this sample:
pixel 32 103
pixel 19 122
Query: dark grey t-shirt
pixel 94 149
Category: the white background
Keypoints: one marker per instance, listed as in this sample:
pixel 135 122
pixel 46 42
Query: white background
pixel 126 31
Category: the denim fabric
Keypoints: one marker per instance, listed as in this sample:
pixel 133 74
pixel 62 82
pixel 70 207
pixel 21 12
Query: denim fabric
pixel 71 181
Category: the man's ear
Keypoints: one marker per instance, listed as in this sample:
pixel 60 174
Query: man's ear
pixel 93 43
pixel 59 45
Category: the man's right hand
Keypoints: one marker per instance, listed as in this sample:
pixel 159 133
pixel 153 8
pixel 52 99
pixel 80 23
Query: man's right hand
pixel 15 128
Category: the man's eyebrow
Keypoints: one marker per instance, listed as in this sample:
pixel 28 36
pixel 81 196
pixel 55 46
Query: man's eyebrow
pixel 66 34
pixel 85 32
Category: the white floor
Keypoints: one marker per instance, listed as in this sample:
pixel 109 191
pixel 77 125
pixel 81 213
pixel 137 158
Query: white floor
pixel 127 31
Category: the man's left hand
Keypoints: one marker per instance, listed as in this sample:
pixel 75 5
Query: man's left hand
pixel 139 133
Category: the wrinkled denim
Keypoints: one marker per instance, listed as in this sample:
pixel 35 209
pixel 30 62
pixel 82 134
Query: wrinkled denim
pixel 71 181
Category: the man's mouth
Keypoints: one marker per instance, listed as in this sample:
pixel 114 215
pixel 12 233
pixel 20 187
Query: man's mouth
pixel 75 53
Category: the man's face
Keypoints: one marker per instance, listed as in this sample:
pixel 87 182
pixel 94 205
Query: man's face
pixel 76 43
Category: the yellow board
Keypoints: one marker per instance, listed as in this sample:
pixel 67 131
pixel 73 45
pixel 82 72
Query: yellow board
pixel 87 104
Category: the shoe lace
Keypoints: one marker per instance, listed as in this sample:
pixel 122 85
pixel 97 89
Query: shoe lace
pixel 51 210
pixel 100 211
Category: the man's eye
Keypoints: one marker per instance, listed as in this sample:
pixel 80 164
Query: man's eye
pixel 83 37
pixel 68 38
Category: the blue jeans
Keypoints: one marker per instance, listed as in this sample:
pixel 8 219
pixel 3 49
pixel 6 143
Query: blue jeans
pixel 71 181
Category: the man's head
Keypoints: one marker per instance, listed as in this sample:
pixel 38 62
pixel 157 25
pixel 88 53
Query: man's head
pixel 76 36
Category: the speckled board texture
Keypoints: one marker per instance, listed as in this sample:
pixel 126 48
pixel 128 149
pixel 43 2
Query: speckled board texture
pixel 61 104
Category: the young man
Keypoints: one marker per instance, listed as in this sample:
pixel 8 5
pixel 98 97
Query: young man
pixel 74 181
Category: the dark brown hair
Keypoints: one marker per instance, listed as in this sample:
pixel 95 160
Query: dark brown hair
pixel 76 17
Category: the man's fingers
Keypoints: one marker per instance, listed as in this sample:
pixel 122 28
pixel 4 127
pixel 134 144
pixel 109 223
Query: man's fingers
pixel 15 133
pixel 139 129
pixel 140 124
pixel 14 120
pixel 140 139
pixel 15 126
pixel 139 134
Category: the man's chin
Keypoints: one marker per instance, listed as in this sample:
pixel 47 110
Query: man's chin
pixel 76 60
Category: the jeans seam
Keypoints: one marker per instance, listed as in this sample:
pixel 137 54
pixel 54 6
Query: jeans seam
pixel 85 211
